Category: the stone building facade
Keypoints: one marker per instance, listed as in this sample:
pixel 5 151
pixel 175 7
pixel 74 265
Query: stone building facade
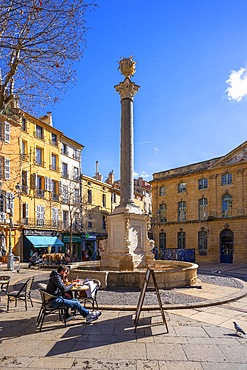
pixel 203 206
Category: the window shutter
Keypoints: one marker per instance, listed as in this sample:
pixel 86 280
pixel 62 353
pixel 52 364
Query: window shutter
pixel 7 169
pixel 46 183
pixel 26 210
pixel 50 184
pixel 1 166
pixel 7 132
pixel 1 130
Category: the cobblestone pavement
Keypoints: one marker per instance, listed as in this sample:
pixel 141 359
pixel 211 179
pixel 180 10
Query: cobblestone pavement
pixel 198 338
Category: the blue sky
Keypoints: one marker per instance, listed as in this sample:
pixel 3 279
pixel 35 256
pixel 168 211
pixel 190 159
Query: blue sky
pixel 191 57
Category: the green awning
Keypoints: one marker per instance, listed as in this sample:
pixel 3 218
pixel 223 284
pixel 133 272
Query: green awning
pixel 45 241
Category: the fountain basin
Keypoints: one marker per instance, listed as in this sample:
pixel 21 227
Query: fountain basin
pixel 169 274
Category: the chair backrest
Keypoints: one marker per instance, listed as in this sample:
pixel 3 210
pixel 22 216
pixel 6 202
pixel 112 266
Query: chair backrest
pixel 94 285
pixel 29 284
pixel 45 297
pixel 42 286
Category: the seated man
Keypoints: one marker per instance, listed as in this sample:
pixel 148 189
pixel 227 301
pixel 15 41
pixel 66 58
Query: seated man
pixel 56 287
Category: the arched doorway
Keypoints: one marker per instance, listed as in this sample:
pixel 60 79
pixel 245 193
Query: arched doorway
pixel 226 246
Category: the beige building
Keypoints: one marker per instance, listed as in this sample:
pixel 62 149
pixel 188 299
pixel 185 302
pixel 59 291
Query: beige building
pixel 203 206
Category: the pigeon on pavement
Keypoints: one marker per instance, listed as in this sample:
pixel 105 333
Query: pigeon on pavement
pixel 238 328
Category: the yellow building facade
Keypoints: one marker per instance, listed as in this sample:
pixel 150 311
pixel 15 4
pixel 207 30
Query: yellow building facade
pixel 32 172
pixel 203 206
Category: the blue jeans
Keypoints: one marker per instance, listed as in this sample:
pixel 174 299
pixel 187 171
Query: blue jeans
pixel 70 303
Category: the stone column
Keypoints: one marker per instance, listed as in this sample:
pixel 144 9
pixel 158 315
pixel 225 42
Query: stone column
pixel 127 90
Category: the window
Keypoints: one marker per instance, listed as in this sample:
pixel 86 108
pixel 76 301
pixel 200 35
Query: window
pixel 181 240
pixel 162 191
pixel 39 132
pixel 2 203
pixel 23 124
pixel 40 186
pixel 25 213
pixel 114 197
pixel 65 194
pixel 162 243
pixel 90 222
pixel 76 176
pixel 226 205
pixel 55 217
pixel 24 156
pixel 202 184
pixel 181 211
pixel 77 196
pixel 104 222
pixel 162 213
pixel 54 190
pixel 53 166
pixel 5 132
pixel 65 170
pixel 182 187
pixel 103 200
pixel 76 154
pixel 65 219
pixel 64 149
pixel 89 196
pixel 203 209
pixel 226 179
pixel 202 243
pixel 39 156
pixel 24 186
pixel 40 215
pixel 53 139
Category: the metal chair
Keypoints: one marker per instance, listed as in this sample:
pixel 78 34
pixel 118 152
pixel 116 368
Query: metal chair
pixel 24 294
pixel 91 293
pixel 46 309
pixel 4 284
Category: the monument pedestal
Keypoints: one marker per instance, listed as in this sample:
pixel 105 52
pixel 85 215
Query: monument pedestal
pixel 128 247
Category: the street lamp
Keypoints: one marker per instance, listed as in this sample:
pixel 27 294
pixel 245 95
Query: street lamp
pixel 10 258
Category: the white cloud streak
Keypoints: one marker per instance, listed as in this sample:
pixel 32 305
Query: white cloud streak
pixel 156 149
pixel 237 81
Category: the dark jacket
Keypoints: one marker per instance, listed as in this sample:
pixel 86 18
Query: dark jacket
pixel 56 286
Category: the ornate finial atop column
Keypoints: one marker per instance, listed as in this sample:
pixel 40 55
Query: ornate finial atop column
pixel 127 66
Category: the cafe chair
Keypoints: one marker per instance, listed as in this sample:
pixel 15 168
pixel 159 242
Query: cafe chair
pixel 4 284
pixel 23 294
pixel 91 293
pixel 46 309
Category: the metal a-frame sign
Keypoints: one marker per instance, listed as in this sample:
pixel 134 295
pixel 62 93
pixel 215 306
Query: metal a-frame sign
pixel 150 272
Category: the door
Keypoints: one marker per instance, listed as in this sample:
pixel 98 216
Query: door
pixel 226 246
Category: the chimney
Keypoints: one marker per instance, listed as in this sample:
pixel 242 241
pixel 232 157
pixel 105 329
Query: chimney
pixel 47 118
pixel 110 179
pixel 98 176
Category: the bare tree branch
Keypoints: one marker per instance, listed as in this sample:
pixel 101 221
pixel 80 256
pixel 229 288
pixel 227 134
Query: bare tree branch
pixel 40 40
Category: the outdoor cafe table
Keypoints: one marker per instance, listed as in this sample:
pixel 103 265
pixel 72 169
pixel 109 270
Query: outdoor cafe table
pixel 78 288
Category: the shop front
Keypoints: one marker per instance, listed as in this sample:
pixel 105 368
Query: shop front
pixel 75 250
pixel 89 247
pixel 40 241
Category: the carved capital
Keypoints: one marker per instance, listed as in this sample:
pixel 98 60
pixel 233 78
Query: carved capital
pixel 127 89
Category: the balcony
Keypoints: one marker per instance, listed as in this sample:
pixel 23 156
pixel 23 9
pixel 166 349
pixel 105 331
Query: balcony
pixel 40 193
pixel 54 168
pixel 24 189
pixel 39 135
pixel 40 163
pixel 76 156
pixel 53 142
pixel 25 157
pixel 55 197
pixel 65 175
pixel 65 151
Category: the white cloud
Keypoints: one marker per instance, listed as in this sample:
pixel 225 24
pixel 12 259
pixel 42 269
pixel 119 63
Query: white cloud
pixel 156 149
pixel 142 174
pixel 237 81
